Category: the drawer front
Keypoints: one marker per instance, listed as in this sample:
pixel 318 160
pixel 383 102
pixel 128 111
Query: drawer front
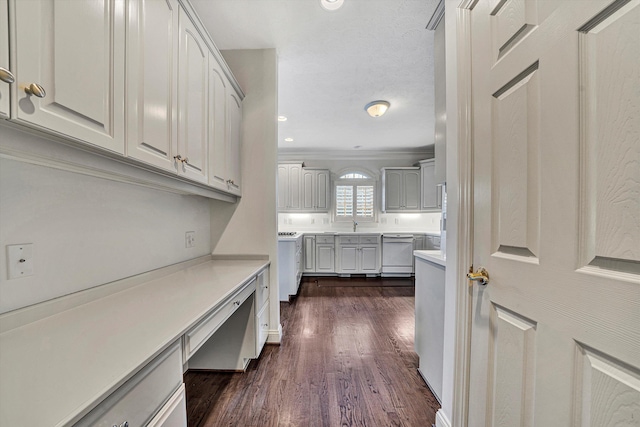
pixel 262 327
pixel 369 239
pixel 348 239
pixel 140 398
pixel 194 338
pixel 324 239
pixel 262 288
pixel 174 412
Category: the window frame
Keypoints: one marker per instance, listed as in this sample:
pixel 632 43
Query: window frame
pixel 354 182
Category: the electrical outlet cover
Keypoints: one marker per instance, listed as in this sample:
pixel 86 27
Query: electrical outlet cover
pixel 20 261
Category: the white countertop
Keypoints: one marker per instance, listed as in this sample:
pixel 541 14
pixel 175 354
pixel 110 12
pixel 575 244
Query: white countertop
pixel 433 256
pixel 53 369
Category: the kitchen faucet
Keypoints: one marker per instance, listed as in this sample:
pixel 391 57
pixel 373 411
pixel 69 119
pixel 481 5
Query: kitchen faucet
pixel 355 224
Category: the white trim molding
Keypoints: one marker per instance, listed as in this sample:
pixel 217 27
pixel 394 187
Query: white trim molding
pixel 275 335
pixel 442 420
pixel 437 16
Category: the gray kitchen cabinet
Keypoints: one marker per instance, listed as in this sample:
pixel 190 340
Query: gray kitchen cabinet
pixel 309 254
pixel 325 254
pixel 401 189
pixel 289 178
pixel 430 199
pixel 316 192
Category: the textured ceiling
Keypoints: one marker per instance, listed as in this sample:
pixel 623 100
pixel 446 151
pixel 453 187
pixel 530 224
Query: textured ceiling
pixel 330 64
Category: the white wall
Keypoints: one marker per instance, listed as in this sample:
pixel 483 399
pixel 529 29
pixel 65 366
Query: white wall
pixel 88 231
pixel 251 226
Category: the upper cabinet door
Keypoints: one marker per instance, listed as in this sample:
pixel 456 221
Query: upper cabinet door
pixel 71 60
pixel 393 190
pixel 192 90
pixel 152 82
pixel 411 180
pixel 309 180
pixel 5 72
pixel 323 190
pixel 217 126
pixel 234 116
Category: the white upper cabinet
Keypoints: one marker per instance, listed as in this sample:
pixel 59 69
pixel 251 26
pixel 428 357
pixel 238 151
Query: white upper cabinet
pixel 193 83
pixel 289 179
pixel 218 87
pixel 315 190
pixel 71 59
pixel 6 76
pixel 152 82
pixel 401 190
pixel 234 120
pixel 430 197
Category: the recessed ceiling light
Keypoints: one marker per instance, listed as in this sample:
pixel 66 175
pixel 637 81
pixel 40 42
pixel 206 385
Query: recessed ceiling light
pixel 288 139
pixel 282 119
pixel 331 5
pixel 377 108
pixel 357 146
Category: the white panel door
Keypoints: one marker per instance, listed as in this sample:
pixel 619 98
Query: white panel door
pixel 71 60
pixel 411 184
pixel 393 190
pixel 218 85
pixel 192 95
pixel 152 82
pixel 323 192
pixel 308 190
pixel 369 259
pixel 556 124
pixel 234 117
pixel 6 76
pixel 349 259
pixel 325 259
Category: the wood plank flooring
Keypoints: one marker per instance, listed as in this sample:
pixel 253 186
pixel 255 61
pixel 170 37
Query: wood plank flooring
pixel 346 359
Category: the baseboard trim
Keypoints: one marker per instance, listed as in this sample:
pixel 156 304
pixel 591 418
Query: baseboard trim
pixel 442 420
pixel 275 336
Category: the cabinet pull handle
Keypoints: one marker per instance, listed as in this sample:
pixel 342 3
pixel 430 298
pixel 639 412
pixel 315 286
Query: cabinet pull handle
pixel 6 75
pixel 185 160
pixel 178 158
pixel 36 90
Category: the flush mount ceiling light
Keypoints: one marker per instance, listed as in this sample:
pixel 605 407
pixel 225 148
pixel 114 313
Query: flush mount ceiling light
pixel 331 5
pixel 377 108
pixel 282 119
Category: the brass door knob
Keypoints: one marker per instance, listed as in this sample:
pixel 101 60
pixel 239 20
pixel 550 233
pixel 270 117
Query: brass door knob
pixel 6 75
pixel 481 275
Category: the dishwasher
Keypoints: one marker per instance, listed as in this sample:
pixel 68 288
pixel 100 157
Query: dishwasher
pixel 397 254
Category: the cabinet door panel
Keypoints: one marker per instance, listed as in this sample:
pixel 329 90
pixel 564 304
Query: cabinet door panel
pixel 323 192
pixel 369 259
pixel 393 190
pixel 308 190
pixel 192 137
pixel 283 187
pixel 152 76
pixel 80 64
pixel 309 254
pixel 324 259
pixel 295 172
pixel 234 111
pixel 4 57
pixel 217 126
pixel 348 259
pixel 411 190
pixel 429 193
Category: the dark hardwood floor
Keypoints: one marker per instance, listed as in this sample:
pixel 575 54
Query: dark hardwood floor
pixel 346 359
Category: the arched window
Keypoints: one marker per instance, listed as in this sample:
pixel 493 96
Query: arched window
pixel 354 197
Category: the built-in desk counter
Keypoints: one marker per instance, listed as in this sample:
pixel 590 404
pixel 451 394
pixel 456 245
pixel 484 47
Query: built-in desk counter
pixel 54 369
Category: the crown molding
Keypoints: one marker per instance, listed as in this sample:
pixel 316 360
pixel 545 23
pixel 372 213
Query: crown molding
pixel 437 16
pixel 285 155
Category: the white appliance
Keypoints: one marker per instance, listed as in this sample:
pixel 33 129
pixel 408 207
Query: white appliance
pixel 397 254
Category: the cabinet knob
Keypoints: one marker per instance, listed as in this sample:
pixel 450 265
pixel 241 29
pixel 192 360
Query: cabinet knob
pixel 36 90
pixel 178 158
pixel 6 75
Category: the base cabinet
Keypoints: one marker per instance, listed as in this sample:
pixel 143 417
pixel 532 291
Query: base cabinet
pixel 144 395
pixel 290 260
pixel 173 413
pixel 359 255
pixel 325 258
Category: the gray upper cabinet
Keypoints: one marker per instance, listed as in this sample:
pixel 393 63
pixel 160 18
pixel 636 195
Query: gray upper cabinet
pixel 303 189
pixel 401 189
pixel 71 70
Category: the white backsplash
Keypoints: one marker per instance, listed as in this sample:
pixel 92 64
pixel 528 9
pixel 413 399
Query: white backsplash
pixel 307 222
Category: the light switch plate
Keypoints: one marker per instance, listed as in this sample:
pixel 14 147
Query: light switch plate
pixel 20 261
